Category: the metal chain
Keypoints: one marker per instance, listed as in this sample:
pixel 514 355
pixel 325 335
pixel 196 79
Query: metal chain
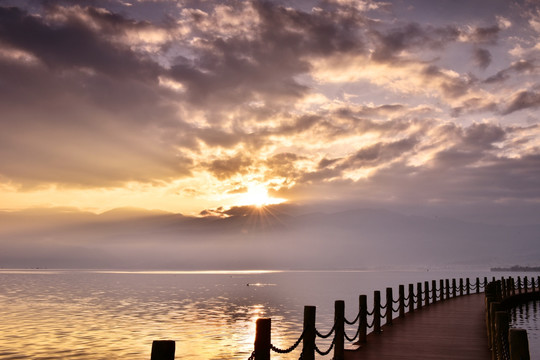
pixel 327 335
pixel 286 351
pixel 324 353
pixel 252 356
pixel 355 336
pixel 368 325
pixel 354 321
pixel 370 313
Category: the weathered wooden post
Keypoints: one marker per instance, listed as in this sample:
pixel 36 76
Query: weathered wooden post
pixel 494 308
pixel 339 340
pixel 485 282
pixel 501 330
pixel 434 290
pixel 498 289
pixel 468 286
pixel 504 287
pixel 263 339
pixel 362 322
pixel 389 305
pixel 401 301
pixel 525 284
pixel 478 285
pixel 411 298
pixel 460 286
pixel 426 293
pixel 489 299
pixel 454 288
pixel 447 288
pixel 163 350
pixel 377 311
pixel 519 284
pixel 513 282
pixel 441 284
pixel 419 295
pixel 308 342
pixel 533 285
pixel 519 344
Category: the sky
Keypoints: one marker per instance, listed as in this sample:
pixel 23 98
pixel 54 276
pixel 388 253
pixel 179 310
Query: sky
pixel 197 107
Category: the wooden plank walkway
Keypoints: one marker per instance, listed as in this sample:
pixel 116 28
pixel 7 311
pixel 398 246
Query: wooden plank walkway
pixel 451 329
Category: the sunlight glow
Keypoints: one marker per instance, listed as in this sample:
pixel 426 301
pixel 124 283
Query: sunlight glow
pixel 257 195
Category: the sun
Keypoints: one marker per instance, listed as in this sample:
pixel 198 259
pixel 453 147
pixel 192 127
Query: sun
pixel 257 195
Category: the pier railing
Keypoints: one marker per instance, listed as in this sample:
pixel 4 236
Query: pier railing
pixel 501 296
pixel 365 321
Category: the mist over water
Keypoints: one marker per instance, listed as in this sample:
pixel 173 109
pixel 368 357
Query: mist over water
pixel 91 315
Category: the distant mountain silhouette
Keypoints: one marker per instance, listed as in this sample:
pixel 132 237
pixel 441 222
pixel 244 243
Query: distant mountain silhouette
pixel 255 238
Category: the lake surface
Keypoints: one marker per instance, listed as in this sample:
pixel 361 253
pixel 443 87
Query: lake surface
pixel 92 315
pixel 527 316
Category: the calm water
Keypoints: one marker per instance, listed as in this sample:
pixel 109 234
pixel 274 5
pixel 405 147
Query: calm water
pixel 527 316
pixel 92 315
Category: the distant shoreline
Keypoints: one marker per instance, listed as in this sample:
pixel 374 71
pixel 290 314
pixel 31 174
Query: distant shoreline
pixel 517 268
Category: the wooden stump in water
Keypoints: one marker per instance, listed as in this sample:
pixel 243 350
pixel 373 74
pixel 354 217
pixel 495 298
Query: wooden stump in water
pixel 163 350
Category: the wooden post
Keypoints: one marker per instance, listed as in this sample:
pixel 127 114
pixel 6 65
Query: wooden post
pixel 163 350
pixel 434 290
pixel 460 286
pixel 426 293
pixel 513 282
pixel 308 351
pixel 533 285
pixel 454 288
pixel 485 282
pixel 441 289
pixel 262 339
pixel 411 298
pixel 339 340
pixel 519 284
pixel 525 284
pixel 478 285
pixel 498 289
pixel 468 286
pixel 362 322
pixel 447 288
pixel 493 309
pixel 519 344
pixel 401 301
pixel 389 305
pixel 504 287
pixel 501 330
pixel 419 295
pixel 377 312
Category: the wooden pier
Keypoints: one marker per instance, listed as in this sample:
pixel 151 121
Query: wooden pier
pixel 453 329
pixel 437 320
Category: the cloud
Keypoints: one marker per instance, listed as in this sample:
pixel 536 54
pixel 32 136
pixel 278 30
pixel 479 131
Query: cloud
pixel 482 58
pixel 226 168
pixel 522 100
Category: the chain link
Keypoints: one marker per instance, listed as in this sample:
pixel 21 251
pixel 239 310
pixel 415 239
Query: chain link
pixel 354 321
pixel 286 351
pixel 327 335
pixel 355 336
pixel 324 353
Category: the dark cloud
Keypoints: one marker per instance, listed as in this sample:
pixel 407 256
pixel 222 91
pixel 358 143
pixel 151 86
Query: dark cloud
pixel 410 37
pixel 485 35
pixel 226 168
pixel 70 44
pixel 519 67
pixel 482 58
pixel 523 100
